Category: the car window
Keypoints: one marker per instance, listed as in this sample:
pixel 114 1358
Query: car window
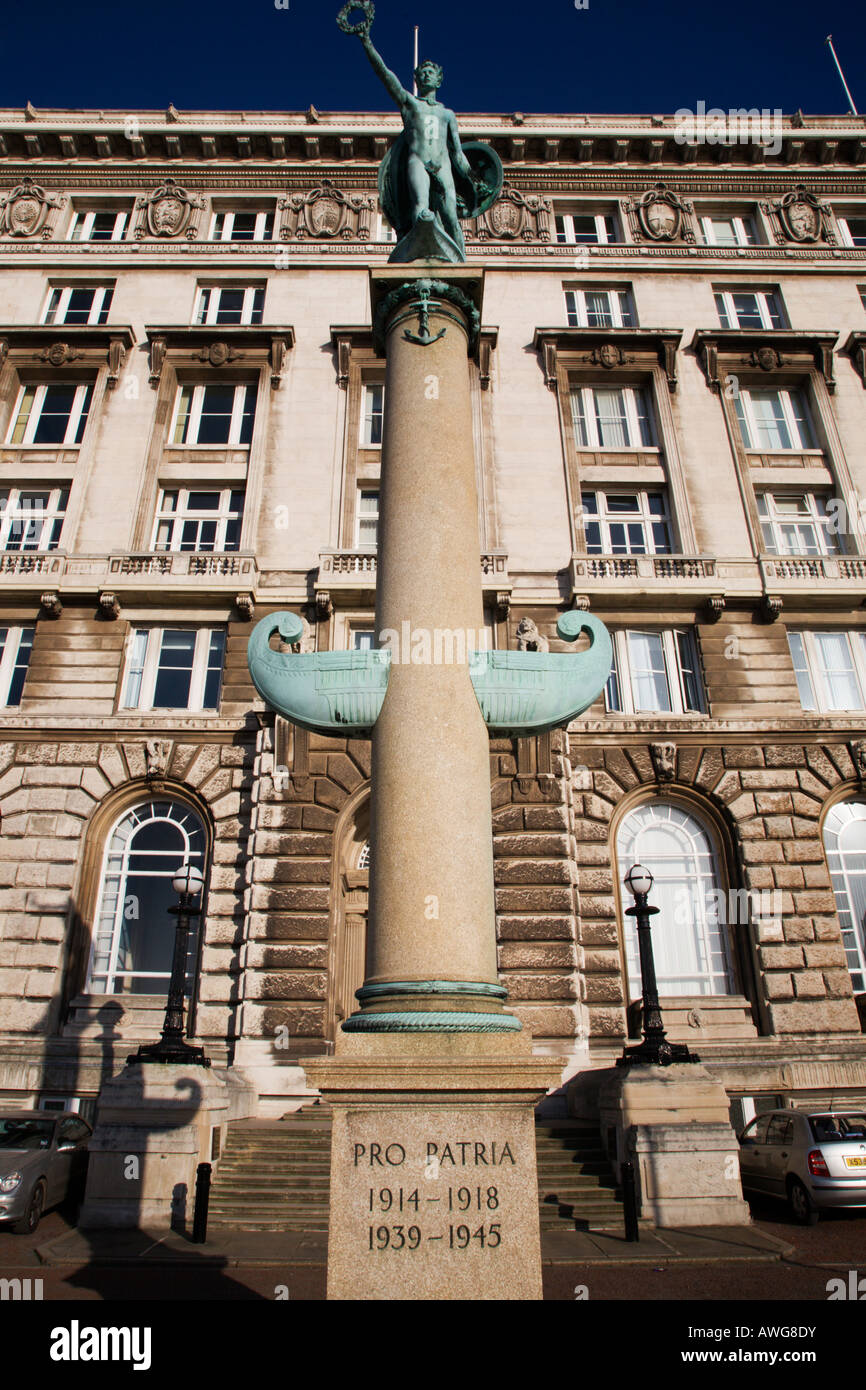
pixel 755 1130
pixel 71 1130
pixel 25 1134
pixel 829 1129
pixel 780 1129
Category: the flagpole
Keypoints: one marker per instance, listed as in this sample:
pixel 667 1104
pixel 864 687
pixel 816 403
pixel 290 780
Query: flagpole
pixel 829 41
pixel 415 84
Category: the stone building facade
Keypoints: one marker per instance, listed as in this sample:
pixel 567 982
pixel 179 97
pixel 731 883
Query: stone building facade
pixel 669 408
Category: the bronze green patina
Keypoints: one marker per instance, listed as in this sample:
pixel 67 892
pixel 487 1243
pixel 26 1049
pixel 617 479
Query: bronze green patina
pixel 432 1021
pixel 325 692
pixel 419 299
pixel 428 180
pixel 519 693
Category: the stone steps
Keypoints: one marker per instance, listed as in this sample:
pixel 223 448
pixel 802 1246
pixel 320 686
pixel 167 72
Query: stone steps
pixel 274 1175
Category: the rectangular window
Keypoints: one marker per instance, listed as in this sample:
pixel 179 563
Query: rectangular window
pixel 198 521
pixel 373 415
pixel 384 230
pixel 612 417
pixel 368 518
pixel 654 670
pixel 728 231
pixel 16 644
pixel 853 230
pixel 216 414
pixel 82 304
pixel 750 309
pixel 31 518
pixel 797 523
pixel 99 226
pixel 242 225
pixel 626 523
pixel 583 229
pixel 363 639
pixel 174 668
pixel 230 304
pixel 830 668
pixel 51 415
pixel 774 420
pixel 599 308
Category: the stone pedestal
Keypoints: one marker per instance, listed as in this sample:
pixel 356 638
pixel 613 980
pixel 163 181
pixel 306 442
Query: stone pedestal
pixel 673 1123
pixel 433 1178
pixel 155 1124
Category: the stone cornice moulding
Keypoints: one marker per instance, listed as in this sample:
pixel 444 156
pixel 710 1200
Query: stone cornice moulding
pixel 608 349
pixel 61 345
pixel 758 350
pixel 220 345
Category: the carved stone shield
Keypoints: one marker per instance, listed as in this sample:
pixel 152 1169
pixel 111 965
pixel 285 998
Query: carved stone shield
pixel 24 216
pixel 609 355
pixel 661 220
pixel 326 216
pixel 802 220
pixel 506 218
pixel 167 216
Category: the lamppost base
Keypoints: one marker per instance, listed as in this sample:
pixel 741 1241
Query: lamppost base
pixel 663 1054
pixel 170 1052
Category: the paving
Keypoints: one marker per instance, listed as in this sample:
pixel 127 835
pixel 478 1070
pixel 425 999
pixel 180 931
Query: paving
pixel 226 1248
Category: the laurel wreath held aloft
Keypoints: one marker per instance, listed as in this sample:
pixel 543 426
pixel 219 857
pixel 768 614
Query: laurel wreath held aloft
pixel 362 29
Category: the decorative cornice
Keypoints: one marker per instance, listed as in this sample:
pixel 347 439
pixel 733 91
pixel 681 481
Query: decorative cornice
pixel 220 345
pixel 608 348
pixel 346 339
pixel 764 350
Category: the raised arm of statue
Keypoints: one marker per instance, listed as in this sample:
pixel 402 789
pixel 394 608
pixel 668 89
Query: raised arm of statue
pixel 381 69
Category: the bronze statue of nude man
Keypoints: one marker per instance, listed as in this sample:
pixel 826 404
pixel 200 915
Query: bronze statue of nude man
pixel 427 176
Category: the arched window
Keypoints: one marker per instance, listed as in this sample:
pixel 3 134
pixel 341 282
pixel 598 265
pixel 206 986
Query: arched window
pixel 364 856
pixel 690 938
pixel 845 844
pixel 133 940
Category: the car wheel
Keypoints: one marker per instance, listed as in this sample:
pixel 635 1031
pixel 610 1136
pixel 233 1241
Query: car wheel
pixel 33 1215
pixel 805 1212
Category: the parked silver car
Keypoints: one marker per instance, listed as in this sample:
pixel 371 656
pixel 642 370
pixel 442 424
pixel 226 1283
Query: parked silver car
pixel 816 1159
pixel 42 1156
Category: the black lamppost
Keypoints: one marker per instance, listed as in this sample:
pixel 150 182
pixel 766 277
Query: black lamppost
pixel 172 1047
pixel 655 1050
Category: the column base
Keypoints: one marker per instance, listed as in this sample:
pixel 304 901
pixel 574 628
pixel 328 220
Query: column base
pixel 432 1006
pixel 434 1194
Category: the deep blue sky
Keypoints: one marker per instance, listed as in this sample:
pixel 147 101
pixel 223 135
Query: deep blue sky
pixel 538 55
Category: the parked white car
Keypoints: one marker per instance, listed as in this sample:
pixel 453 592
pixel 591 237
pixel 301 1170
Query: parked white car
pixel 815 1159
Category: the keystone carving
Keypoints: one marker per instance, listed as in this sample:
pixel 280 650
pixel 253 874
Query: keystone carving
pixel 59 354
pixel 857 749
pixel 157 752
pixel 664 761
pixel 246 607
pixel 109 605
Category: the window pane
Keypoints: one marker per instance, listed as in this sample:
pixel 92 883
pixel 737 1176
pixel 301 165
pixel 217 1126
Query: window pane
pixel 54 416
pixel 649 681
pixel 213 678
pixel 837 668
pixel 686 651
pixel 770 424
pixel 801 670
pixel 216 415
pixel 611 418
pixel 747 310
pixel 249 415
pixel 22 661
pixel 174 676
pixel 136 669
